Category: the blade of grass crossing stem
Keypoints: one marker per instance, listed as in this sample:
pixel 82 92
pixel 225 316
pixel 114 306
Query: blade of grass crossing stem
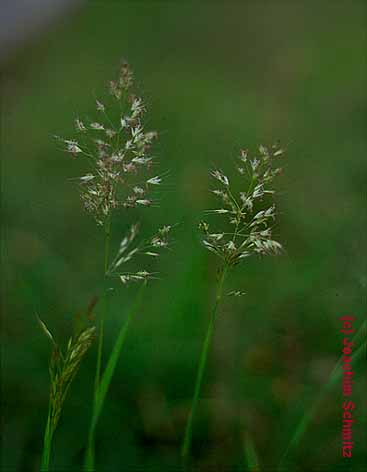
pixel 107 377
pixel 186 445
pixel 251 456
pixel 335 376
pixel 115 354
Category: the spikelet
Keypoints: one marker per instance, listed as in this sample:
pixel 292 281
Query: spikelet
pixel 129 249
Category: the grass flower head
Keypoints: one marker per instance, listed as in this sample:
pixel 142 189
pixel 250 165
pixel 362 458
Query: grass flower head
pixel 249 214
pixel 118 149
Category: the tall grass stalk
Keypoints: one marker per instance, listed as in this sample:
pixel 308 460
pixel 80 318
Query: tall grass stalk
pixel 105 306
pixel 91 441
pixel 245 228
pixel 118 151
pixel 186 445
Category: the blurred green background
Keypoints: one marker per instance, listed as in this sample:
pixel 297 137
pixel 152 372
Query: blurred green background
pixel 217 76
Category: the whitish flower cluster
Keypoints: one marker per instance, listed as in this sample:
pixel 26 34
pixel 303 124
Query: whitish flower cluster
pixel 130 248
pixel 249 214
pixel 118 149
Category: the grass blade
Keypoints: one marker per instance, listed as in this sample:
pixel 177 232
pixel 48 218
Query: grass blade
pixel 107 377
pixel 47 441
pixel 251 456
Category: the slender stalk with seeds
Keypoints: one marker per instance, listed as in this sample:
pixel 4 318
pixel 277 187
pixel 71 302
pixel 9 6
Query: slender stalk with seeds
pixel 118 150
pixel 245 230
pixel 63 368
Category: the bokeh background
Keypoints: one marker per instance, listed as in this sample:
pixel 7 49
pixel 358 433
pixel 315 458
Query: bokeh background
pixel 217 76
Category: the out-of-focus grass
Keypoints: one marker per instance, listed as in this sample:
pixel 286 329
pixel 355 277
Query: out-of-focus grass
pixel 217 77
pixel 252 459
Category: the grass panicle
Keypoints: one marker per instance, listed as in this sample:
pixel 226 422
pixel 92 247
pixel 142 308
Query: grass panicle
pixel 247 212
pixel 118 150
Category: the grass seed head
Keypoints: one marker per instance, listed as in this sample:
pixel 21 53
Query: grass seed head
pixel 118 148
pixel 64 366
pixel 249 217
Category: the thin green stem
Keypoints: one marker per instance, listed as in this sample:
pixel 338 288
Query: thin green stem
pixel 186 445
pixel 90 450
pixel 47 441
pixel 106 306
pixel 106 379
